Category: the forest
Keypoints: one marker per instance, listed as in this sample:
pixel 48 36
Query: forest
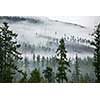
pixel 15 67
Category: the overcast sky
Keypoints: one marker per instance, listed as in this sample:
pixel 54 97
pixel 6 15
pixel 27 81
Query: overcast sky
pixel 89 21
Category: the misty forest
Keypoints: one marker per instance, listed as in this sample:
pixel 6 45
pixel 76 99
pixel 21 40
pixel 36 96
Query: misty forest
pixel 42 50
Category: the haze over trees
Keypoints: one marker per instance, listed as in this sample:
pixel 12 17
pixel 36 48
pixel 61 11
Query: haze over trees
pixel 57 68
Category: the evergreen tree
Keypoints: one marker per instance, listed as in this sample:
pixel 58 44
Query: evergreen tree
pixel 82 79
pixel 43 61
pixel 8 54
pixel 54 63
pixel 24 78
pixel 87 78
pixel 48 74
pixel 26 62
pixel 96 44
pixel 34 60
pixel 47 61
pixel 77 70
pixel 63 63
pixel 73 77
pixel 38 61
pixel 35 76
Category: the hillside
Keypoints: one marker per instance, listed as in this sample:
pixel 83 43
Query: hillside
pixel 41 30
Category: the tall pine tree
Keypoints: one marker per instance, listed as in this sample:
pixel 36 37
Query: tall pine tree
pixel 63 62
pixel 38 61
pixel 43 61
pixel 77 70
pixel 96 44
pixel 34 60
pixel 8 54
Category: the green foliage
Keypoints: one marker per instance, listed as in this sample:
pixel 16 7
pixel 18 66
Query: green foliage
pixel 77 70
pixel 43 61
pixel 8 54
pixel 47 61
pixel 48 74
pixel 35 76
pixel 26 62
pixel 63 62
pixel 38 61
pixel 34 60
pixel 85 78
pixel 82 79
pixel 96 44
pixel 24 78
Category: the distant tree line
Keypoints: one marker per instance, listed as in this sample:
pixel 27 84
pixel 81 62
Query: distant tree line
pixel 20 18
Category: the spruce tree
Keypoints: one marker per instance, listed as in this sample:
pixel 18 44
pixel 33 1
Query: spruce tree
pixel 8 54
pixel 47 61
pixel 26 62
pixel 38 61
pixel 33 60
pixel 82 79
pixel 24 78
pixel 48 74
pixel 96 44
pixel 43 61
pixel 77 70
pixel 35 76
pixel 87 78
pixel 63 62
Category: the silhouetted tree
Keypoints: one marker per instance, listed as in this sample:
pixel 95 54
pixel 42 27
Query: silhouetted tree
pixel 87 78
pixel 35 76
pixel 26 62
pixel 48 74
pixel 24 78
pixel 82 79
pixel 38 61
pixel 47 61
pixel 33 60
pixel 43 61
pixel 77 70
pixel 63 62
pixel 9 54
pixel 96 44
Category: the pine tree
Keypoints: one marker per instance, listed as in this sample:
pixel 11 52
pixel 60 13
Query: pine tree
pixel 38 61
pixel 63 63
pixel 82 79
pixel 34 60
pixel 77 70
pixel 8 54
pixel 47 61
pixel 96 44
pixel 35 76
pixel 87 78
pixel 43 61
pixel 48 74
pixel 24 78
pixel 73 77
pixel 26 62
